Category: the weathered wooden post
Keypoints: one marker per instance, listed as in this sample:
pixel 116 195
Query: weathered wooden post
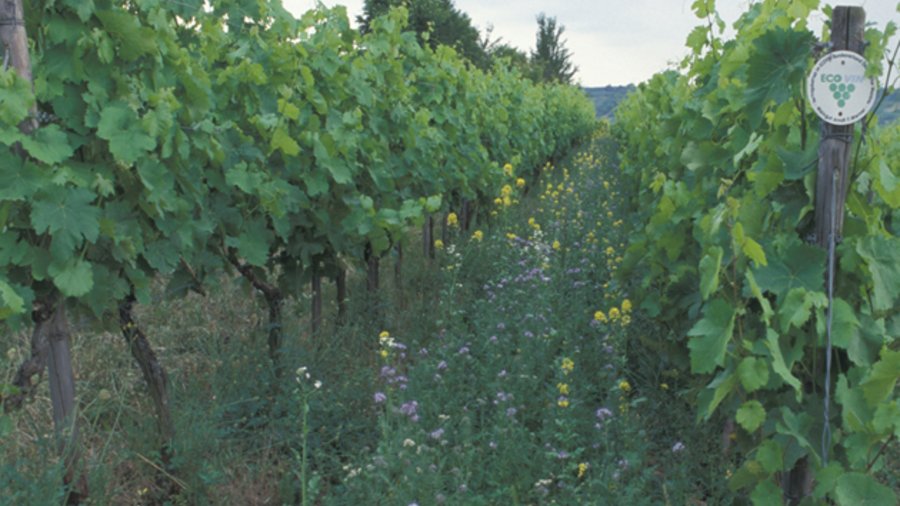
pixel 52 317
pixel 841 95
pixel 847 34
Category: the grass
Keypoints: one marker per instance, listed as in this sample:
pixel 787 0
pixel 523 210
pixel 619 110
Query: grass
pixel 488 378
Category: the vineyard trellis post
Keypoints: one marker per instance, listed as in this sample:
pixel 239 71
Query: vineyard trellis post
pixel 50 317
pixel 832 183
pixel 847 34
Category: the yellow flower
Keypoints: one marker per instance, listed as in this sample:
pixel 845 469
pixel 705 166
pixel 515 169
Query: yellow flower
pixel 610 251
pixel 563 402
pixel 556 245
pixel 625 386
pixel 511 236
pixel 614 314
pixel 582 469
pixel 563 388
pixel 664 386
pixel 439 244
pixel 452 219
pixel 567 365
pixel 600 317
pixel 507 201
pixel 384 354
pixel 498 201
pixel 506 191
pixel 384 335
pixel 626 306
pixel 520 183
pixel 478 235
pixel 606 185
pixel 508 169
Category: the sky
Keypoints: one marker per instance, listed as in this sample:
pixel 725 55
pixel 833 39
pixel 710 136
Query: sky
pixel 613 42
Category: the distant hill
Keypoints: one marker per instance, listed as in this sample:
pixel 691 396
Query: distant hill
pixel 607 98
pixel 890 109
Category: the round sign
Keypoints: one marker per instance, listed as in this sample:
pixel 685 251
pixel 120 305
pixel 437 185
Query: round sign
pixel 838 89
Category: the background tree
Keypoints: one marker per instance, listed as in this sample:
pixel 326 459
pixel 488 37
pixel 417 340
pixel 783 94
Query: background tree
pixel 444 23
pixel 550 59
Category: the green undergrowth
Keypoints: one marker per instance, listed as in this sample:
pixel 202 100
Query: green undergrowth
pixel 503 371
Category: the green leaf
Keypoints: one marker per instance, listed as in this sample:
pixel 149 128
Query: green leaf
pixel 778 363
pixel 882 256
pixel 798 265
pixel 796 308
pixel 887 418
pixel 67 212
pixel 283 141
pixel 10 301
pixel 751 415
pixel 710 336
pixel 714 393
pixel 858 489
pixel 709 271
pixel 770 455
pixel 754 373
pixel 776 64
pixel 74 278
pixel 845 330
pixel 48 144
pixel 253 244
pixel 754 252
pixel 767 493
pixel 882 377
pixel 826 479
pixel 120 126
pixel 134 40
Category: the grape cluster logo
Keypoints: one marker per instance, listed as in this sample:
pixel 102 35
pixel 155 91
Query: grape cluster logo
pixel 842 92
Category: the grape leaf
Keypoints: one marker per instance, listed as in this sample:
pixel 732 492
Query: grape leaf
pixel 68 212
pixel 882 256
pixel 858 489
pixel 754 373
pixel 74 278
pixel 710 336
pixel 120 126
pixel 48 144
pixel 751 415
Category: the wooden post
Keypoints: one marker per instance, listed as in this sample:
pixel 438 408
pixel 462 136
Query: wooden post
pixel 847 34
pixel 61 377
pixel 59 354
pixel 15 49
pixel 340 282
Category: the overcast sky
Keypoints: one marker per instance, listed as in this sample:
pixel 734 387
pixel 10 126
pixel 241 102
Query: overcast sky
pixel 612 41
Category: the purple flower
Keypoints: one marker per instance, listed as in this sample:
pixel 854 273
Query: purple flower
pixel 501 326
pixel 493 339
pixel 464 350
pixel 502 396
pixel 442 365
pixel 380 397
pixel 679 446
pixel 528 334
pixel 511 412
pixel 562 454
pixel 603 414
pixel 493 445
pixel 501 374
pixel 436 434
pixel 410 409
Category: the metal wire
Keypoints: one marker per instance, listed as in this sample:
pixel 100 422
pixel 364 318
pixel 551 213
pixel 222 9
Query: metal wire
pixel 826 425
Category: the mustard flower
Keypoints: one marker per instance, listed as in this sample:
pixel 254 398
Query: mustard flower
pixel 567 365
pixel 600 317
pixel 478 235
pixel 439 244
pixel 452 220
pixel 556 245
pixel 520 183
